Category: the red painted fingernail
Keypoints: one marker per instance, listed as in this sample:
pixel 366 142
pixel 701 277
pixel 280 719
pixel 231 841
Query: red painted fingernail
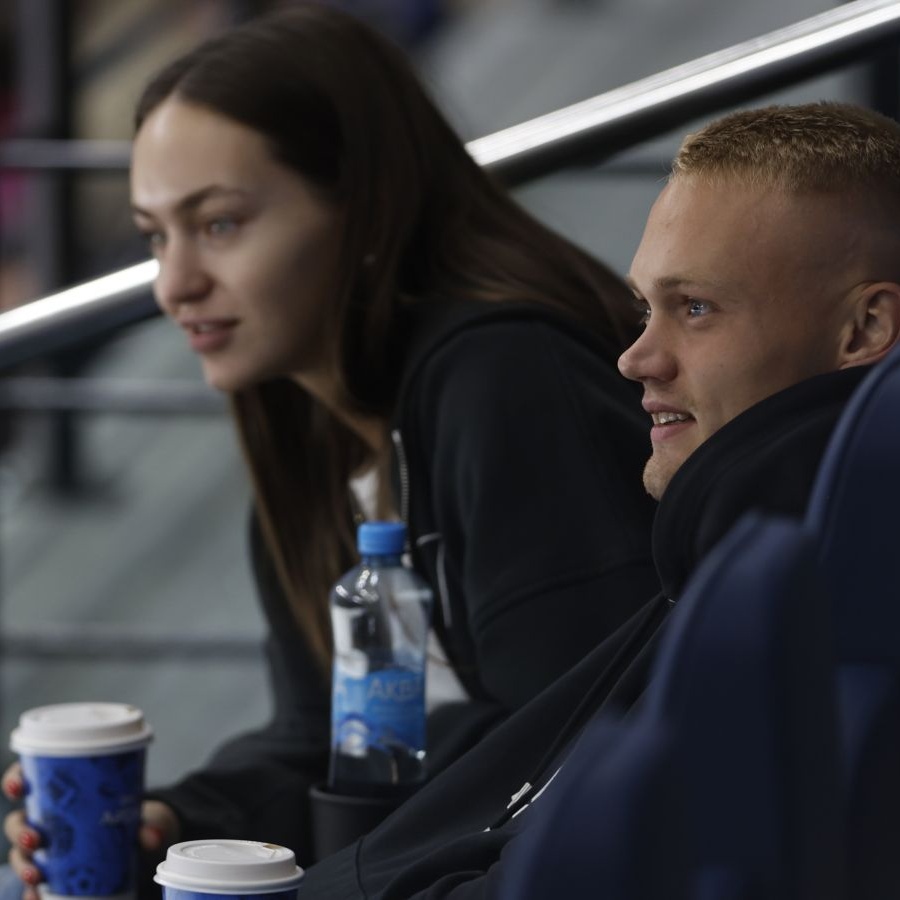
pixel 13 789
pixel 28 840
pixel 154 836
pixel 30 875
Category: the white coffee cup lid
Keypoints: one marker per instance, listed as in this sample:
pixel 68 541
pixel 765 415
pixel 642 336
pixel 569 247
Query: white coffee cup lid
pixel 88 729
pixel 229 867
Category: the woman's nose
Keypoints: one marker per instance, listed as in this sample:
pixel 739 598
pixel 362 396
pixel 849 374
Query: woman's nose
pixel 182 278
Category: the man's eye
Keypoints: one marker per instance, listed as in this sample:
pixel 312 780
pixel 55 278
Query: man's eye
pixel 697 308
pixel 642 311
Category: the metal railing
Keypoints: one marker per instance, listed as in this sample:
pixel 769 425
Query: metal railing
pixel 653 106
pixel 121 396
pixel 69 316
pixel 585 132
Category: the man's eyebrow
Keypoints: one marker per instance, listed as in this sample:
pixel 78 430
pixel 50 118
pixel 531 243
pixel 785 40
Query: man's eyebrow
pixel 193 200
pixel 673 282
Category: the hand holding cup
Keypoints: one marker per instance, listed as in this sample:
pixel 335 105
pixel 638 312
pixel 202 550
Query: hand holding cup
pixel 23 840
pixel 159 829
pixel 81 777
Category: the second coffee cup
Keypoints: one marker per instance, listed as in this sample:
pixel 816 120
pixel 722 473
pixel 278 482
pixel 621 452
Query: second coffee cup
pixel 199 870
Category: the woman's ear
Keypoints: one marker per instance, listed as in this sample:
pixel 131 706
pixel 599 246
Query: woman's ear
pixel 876 325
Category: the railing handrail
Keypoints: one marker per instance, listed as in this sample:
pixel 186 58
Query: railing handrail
pixel 123 396
pixel 653 105
pixel 592 129
pixel 39 154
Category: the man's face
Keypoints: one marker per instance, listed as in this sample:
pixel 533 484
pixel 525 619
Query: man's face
pixel 744 293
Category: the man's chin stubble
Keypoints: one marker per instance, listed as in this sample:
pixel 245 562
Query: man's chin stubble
pixel 657 475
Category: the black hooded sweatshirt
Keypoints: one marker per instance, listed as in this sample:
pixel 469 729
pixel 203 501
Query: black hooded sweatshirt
pixel 451 839
pixel 519 448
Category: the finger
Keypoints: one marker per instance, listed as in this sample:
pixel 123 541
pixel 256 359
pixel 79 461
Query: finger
pixel 19 833
pixel 28 841
pixel 24 838
pixel 152 838
pixel 13 825
pixel 24 868
pixel 159 826
pixel 13 785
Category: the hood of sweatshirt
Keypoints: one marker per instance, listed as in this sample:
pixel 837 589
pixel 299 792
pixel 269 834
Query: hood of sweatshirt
pixel 764 459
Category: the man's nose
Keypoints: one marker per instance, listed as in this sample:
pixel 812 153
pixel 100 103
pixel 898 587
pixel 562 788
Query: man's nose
pixel 649 357
pixel 182 277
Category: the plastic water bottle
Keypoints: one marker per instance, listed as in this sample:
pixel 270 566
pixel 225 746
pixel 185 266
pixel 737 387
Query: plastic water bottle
pixel 380 614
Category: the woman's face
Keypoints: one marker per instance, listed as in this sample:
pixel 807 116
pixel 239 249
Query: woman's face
pixel 248 251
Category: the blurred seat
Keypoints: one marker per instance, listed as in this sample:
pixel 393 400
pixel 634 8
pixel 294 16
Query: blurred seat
pixel 855 514
pixel 723 784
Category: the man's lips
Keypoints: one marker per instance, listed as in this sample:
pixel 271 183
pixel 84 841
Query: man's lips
pixel 668 421
pixel 668 417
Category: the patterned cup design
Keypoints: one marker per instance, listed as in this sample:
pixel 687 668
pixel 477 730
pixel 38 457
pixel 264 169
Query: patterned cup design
pixel 87 810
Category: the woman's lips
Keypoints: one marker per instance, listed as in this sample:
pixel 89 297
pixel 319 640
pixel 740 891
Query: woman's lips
pixel 207 336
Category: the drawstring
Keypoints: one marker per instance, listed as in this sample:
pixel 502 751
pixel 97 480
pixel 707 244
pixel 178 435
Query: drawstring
pixel 574 724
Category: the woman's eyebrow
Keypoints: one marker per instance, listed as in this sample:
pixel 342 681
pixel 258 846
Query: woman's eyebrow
pixel 195 198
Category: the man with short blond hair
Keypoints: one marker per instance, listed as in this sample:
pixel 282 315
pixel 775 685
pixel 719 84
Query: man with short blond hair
pixel 771 256
pixel 769 280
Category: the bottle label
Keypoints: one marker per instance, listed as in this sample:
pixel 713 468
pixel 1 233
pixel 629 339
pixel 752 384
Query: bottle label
pixel 384 709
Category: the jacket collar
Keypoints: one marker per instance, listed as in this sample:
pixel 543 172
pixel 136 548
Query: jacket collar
pixel 765 459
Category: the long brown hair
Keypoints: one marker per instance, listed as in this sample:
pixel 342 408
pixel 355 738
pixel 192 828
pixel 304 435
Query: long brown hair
pixel 425 223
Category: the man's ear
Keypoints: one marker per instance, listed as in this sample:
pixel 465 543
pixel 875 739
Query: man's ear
pixel 876 325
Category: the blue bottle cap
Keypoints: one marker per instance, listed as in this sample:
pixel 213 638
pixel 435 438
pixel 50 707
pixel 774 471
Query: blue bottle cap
pixel 381 538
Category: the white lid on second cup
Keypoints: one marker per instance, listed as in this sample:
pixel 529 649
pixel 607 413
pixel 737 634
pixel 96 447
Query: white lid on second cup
pixel 229 867
pixel 84 729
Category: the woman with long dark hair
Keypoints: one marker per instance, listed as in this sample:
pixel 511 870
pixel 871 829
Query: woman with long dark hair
pixel 374 304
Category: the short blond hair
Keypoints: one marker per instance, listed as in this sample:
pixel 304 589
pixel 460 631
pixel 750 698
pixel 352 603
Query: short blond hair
pixel 814 147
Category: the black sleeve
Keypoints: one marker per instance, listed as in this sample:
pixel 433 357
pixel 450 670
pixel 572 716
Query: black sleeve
pixel 534 446
pixel 253 785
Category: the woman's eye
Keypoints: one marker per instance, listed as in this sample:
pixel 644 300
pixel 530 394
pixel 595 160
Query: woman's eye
pixel 154 240
pixel 221 226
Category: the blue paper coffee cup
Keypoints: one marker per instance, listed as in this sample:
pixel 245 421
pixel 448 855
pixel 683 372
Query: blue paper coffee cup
pixel 204 870
pixel 83 766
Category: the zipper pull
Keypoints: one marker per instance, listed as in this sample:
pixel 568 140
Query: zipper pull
pixel 518 795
